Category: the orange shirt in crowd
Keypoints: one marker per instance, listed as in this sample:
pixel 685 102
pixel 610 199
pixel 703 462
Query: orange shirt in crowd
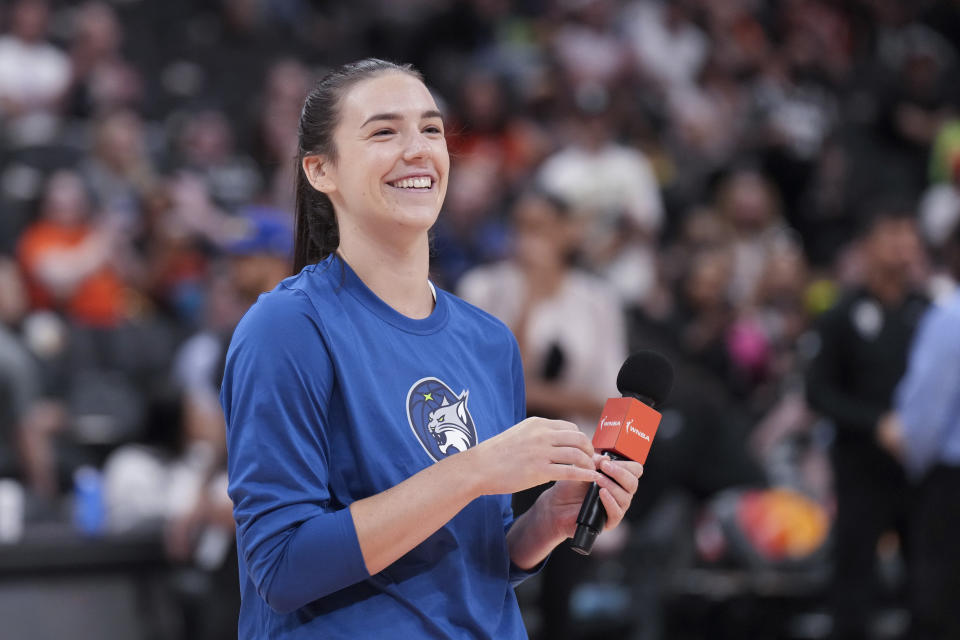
pixel 97 300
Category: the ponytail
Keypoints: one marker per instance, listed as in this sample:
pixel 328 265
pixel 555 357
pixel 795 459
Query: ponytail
pixel 316 234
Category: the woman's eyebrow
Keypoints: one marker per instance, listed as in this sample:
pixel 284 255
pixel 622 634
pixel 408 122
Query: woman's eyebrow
pixel 433 113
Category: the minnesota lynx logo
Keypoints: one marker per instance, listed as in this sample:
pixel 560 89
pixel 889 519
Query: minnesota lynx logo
pixel 440 418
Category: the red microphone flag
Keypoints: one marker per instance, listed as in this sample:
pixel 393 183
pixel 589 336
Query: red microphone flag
pixel 626 427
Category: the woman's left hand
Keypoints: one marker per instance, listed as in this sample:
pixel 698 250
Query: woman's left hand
pixel 617 486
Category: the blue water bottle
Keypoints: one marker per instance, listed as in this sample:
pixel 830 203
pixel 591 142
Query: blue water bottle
pixel 89 513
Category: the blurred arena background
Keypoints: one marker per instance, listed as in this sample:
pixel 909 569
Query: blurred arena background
pixel 703 178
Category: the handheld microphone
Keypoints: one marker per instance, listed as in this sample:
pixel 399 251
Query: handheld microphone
pixel 625 432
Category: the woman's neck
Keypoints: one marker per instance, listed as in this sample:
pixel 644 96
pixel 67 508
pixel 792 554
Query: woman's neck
pixel 397 274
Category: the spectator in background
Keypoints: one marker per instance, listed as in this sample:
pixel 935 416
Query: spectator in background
pixel 708 120
pixel 796 110
pixel 120 170
pixel 749 204
pixel 702 311
pixel 738 36
pixel 205 146
pixel 777 307
pixel 916 100
pixel 194 210
pixel 669 47
pixel 571 353
pixel 69 259
pixel 571 332
pixel 864 341
pixel 103 81
pixel 612 189
pixel 701 229
pixel 762 340
pixel 590 50
pixel 34 76
pixel 925 433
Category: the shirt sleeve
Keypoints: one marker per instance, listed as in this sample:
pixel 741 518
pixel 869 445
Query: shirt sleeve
pixel 825 389
pixel 517 575
pixel 297 542
pixel 928 397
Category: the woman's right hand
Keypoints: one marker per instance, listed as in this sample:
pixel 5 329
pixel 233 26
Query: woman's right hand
pixel 531 453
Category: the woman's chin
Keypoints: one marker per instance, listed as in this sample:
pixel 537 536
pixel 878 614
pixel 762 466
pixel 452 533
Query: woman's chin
pixel 416 217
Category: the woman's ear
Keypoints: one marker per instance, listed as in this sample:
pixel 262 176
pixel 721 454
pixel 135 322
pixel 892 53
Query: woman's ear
pixel 316 168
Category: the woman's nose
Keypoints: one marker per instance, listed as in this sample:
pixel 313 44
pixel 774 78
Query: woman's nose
pixel 417 147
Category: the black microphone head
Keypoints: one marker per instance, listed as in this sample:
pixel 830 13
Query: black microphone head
pixel 646 374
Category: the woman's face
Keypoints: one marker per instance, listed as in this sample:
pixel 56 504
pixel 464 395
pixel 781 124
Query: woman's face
pixel 65 200
pixel 542 235
pixel 390 174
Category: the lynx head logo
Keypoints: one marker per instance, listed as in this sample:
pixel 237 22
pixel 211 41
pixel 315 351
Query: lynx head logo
pixel 440 418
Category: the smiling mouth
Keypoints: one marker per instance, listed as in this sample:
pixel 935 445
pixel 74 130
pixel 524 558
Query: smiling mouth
pixel 418 183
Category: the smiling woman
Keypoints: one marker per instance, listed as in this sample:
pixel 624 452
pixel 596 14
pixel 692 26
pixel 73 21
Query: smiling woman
pixel 375 424
pixel 374 183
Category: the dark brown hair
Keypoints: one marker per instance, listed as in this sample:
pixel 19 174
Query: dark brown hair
pixel 316 235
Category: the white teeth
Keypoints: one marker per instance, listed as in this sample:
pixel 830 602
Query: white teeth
pixel 420 182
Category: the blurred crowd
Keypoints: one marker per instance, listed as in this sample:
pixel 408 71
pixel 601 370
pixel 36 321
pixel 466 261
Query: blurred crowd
pixel 701 178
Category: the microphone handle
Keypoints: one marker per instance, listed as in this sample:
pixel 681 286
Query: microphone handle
pixel 592 517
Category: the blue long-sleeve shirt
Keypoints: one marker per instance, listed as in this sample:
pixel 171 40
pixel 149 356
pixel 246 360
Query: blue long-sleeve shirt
pixel 332 396
pixel 928 397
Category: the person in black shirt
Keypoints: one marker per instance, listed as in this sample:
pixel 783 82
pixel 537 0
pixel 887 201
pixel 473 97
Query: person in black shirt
pixel 864 341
